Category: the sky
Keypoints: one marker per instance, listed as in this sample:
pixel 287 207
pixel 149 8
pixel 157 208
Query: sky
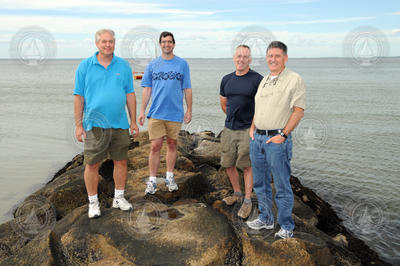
pixel 202 29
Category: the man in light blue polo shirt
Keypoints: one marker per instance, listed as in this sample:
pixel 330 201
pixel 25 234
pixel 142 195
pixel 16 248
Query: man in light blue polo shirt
pixel 103 87
pixel 167 81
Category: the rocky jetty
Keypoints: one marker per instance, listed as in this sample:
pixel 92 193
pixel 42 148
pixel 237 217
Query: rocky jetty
pixel 191 226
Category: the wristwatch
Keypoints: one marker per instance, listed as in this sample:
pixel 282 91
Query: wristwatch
pixel 282 134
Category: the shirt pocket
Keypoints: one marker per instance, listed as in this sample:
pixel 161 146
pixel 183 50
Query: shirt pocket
pixel 282 96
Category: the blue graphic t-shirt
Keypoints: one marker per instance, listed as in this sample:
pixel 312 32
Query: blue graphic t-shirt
pixel 167 79
pixel 104 92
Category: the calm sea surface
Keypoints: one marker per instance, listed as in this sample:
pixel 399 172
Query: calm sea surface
pixel 346 148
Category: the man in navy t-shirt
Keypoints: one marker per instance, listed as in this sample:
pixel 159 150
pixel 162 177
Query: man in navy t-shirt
pixel 237 101
pixel 167 81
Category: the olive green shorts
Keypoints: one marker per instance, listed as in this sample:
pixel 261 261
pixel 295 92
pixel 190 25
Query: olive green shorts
pixel 102 143
pixel 235 148
pixel 159 128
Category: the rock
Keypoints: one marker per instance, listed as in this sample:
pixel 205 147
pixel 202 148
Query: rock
pixel 68 191
pixel 341 239
pixel 183 163
pixel 189 226
pixel 200 148
pixel 44 251
pixel 305 198
pixel 208 151
pixel 283 252
pixel 197 236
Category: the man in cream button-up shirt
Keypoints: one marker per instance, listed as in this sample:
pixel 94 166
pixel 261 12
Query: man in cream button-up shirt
pixel 279 107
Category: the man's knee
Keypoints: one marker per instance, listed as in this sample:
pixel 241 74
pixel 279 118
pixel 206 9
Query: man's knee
pixel 120 162
pixel 171 143
pixel 247 170
pixel 93 167
pixel 156 145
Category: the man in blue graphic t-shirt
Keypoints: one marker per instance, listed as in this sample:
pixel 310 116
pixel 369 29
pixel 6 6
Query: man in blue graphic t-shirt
pixel 103 87
pixel 166 81
pixel 237 93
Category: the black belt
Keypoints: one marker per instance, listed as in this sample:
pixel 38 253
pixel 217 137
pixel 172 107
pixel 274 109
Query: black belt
pixel 268 132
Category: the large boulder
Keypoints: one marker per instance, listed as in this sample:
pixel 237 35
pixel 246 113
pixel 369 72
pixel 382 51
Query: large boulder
pixel 189 226
pixel 184 233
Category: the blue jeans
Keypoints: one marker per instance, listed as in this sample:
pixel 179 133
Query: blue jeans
pixel 267 159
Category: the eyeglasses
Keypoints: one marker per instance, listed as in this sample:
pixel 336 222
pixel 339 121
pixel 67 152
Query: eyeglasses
pixel 271 81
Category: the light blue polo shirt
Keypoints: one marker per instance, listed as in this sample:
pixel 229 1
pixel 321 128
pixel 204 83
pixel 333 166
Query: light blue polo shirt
pixel 167 79
pixel 104 92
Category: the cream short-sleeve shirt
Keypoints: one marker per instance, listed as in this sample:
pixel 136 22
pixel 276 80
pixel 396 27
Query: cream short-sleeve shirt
pixel 276 98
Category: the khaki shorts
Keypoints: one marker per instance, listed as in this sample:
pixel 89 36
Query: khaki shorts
pixel 159 128
pixel 101 143
pixel 235 148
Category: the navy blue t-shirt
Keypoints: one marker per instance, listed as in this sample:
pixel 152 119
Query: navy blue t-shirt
pixel 240 92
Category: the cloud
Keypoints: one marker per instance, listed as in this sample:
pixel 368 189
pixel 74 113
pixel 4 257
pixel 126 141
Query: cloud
pixel 320 21
pixel 99 6
pixel 395 13
pixel 396 31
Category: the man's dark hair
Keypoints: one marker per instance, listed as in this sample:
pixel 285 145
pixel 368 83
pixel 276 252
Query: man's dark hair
pixel 165 34
pixel 278 44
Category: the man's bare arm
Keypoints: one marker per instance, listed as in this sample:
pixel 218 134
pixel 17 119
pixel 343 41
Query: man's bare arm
pixel 145 100
pixel 293 121
pixel 131 104
pixel 188 99
pixel 223 101
pixel 252 128
pixel 78 115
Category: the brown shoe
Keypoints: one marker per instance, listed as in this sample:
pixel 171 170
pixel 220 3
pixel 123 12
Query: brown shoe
pixel 231 199
pixel 245 210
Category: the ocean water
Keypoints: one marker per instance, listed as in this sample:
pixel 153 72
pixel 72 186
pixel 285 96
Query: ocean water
pixel 346 148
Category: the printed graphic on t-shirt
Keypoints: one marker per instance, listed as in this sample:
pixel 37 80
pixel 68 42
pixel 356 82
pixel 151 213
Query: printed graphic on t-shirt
pixel 167 75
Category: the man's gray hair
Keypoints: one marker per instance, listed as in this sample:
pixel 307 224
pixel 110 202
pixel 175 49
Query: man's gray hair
pixel 100 32
pixel 244 46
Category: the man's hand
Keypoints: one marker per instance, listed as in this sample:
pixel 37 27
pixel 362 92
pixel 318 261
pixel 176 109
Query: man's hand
pixel 80 133
pixel 251 133
pixel 134 128
pixel 141 118
pixel 188 117
pixel 277 139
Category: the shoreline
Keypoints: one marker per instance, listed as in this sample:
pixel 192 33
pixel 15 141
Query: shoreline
pixel 195 160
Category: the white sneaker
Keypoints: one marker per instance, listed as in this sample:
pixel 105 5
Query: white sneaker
pixel 121 203
pixel 170 182
pixel 257 224
pixel 151 187
pixel 283 233
pixel 94 209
